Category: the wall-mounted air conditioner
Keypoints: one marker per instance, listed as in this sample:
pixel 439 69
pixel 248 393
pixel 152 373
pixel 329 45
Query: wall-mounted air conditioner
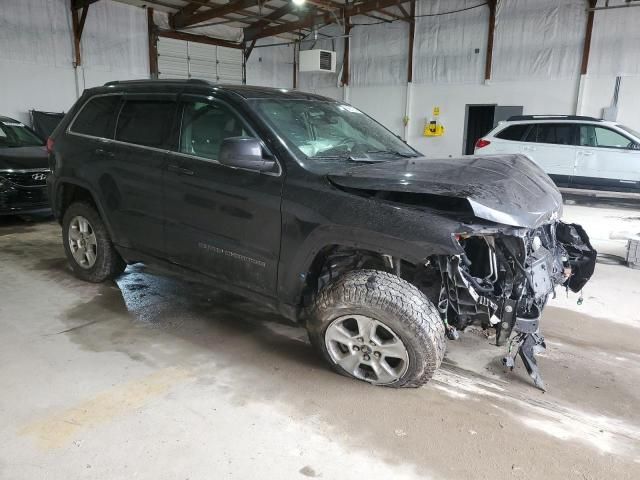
pixel 317 61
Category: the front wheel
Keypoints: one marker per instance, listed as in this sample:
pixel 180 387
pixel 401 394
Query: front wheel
pixel 88 246
pixel 376 327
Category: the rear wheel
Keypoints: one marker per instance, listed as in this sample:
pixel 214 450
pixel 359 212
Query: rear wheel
pixel 376 327
pixel 88 246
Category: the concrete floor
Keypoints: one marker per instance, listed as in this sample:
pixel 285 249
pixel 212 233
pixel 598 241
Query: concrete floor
pixel 153 378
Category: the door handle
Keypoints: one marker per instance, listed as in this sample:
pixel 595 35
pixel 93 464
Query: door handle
pixel 586 153
pixel 179 170
pixel 529 149
pixel 103 153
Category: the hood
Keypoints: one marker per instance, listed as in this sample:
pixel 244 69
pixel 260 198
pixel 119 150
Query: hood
pixel 507 189
pixel 20 158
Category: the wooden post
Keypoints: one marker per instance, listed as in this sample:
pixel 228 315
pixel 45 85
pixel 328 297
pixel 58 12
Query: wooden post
pixel 492 28
pixel 412 34
pixel 78 26
pixel 586 49
pixel 153 44
pixel 295 65
pixel 345 57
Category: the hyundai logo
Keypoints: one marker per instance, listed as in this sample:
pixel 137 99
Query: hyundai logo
pixel 39 176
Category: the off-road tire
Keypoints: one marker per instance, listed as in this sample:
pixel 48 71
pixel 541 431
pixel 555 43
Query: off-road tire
pixel 392 301
pixel 109 264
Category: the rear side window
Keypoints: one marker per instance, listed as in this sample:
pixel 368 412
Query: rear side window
pixel 554 133
pixel 97 117
pixel 145 122
pixel 592 136
pixel 514 132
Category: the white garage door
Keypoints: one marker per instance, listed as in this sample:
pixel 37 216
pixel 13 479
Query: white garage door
pixel 182 59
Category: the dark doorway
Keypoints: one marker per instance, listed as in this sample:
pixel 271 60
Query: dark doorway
pixel 479 123
pixel 481 119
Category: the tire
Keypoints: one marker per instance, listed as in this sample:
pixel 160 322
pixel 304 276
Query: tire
pixel 394 308
pixel 107 262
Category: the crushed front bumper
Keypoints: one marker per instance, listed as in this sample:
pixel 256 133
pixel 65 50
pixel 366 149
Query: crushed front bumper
pixel 503 281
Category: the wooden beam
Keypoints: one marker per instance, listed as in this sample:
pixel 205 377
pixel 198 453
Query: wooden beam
pixel 247 51
pixel 185 12
pixel 403 10
pixel 350 11
pixel 586 49
pixel 77 24
pixel 190 37
pixel 153 44
pixel 254 29
pixel 345 59
pixel 78 4
pixel 412 35
pixel 492 29
pixel 217 11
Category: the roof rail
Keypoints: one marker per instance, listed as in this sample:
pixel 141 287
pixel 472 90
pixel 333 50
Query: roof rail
pixel 517 118
pixel 197 81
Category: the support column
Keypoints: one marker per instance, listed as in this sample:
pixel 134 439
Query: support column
pixel 153 44
pixel 345 58
pixel 586 50
pixel 492 28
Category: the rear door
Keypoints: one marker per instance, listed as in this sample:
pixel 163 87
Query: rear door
pixel 553 147
pixel 222 221
pixel 606 159
pixel 133 187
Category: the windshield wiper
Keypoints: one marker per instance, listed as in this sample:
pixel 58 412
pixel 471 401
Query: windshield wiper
pixel 349 157
pixel 393 152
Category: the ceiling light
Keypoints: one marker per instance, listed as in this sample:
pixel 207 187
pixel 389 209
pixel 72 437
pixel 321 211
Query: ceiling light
pixel 298 2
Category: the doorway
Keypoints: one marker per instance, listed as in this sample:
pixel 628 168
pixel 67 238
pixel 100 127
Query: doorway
pixel 481 119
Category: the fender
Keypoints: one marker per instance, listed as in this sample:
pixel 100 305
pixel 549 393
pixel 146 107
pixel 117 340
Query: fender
pixel 56 200
pixel 292 271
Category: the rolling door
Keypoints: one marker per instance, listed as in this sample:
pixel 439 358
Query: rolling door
pixel 182 59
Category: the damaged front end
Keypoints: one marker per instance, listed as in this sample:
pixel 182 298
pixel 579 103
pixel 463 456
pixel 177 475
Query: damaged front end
pixel 503 278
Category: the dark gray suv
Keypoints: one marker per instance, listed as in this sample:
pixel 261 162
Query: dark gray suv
pixel 309 206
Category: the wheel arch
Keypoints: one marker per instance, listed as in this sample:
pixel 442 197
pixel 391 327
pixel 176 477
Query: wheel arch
pixel 298 274
pixel 70 191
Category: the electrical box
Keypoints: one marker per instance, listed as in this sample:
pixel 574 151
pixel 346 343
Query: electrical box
pixel 317 61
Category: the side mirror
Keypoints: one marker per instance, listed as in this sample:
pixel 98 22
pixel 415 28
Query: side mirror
pixel 244 152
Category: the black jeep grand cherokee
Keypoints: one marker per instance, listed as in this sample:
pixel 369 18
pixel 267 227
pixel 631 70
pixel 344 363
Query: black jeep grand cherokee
pixel 310 206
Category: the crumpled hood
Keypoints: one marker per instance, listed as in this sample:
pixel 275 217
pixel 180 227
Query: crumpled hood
pixel 507 189
pixel 22 158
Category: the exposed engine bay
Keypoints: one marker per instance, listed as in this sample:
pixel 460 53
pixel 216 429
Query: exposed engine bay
pixel 503 280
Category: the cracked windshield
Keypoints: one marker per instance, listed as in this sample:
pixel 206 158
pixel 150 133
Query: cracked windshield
pixel 325 130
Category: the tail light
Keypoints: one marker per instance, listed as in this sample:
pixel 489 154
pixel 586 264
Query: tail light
pixel 481 143
pixel 50 145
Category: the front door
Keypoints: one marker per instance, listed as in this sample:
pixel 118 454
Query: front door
pixel 553 147
pixel 222 221
pixel 606 159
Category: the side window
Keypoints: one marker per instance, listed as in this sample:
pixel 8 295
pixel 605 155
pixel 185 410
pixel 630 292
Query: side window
pixel 594 136
pixel 554 133
pixel 205 126
pixel 514 132
pixel 97 117
pixel 145 122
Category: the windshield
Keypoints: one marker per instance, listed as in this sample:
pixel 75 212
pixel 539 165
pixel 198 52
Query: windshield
pixel 328 130
pixel 15 134
pixel 629 130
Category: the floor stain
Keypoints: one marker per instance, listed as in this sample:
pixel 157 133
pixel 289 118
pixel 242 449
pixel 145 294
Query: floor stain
pixel 58 429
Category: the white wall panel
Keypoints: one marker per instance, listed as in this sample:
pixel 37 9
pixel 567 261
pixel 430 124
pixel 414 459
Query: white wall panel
pixel 538 38
pixel 271 66
pixel 615 48
pixel 445 45
pixel 379 53
pixel 36 52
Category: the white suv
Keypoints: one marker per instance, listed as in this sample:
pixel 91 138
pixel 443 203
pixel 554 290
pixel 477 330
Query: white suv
pixel 576 152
